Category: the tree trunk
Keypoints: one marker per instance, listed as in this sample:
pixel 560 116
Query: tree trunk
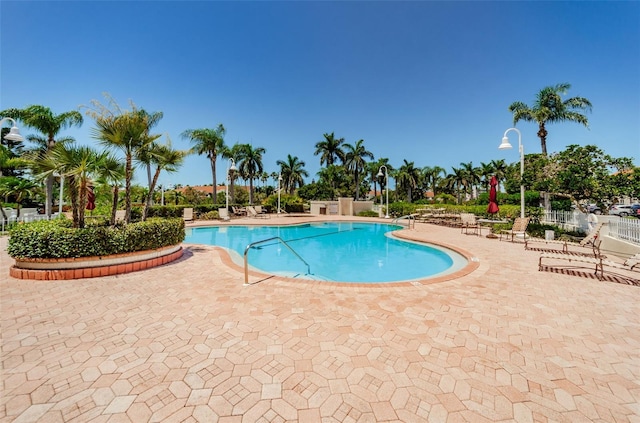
pixel 114 206
pixel 215 181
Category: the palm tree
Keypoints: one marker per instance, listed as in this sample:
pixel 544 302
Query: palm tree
pixel 111 173
pixel 42 119
pixel 78 165
pixel 124 130
pixel 19 188
pixel 293 173
pixel 433 176
pixel 499 170
pixel 251 165
pixel 458 181
pixel 471 177
pixel 163 157
pixel 330 150
pixel 407 178
pixel 354 160
pixel 234 153
pixel 549 108
pixel 208 141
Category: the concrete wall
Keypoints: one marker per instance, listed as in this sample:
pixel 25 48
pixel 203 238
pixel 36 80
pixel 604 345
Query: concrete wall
pixel 341 207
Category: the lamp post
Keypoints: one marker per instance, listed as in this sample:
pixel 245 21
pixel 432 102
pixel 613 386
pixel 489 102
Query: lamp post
pixel 386 184
pixel 14 132
pixel 279 184
pixel 506 145
pixel 230 169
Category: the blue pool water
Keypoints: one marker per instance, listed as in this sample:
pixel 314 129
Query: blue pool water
pixel 335 251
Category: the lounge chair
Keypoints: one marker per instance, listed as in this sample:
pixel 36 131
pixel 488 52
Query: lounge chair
pixel 238 211
pixel 251 212
pixel 588 241
pixel 519 228
pixel 223 213
pixel 600 264
pixel 469 222
pixel 187 214
pixel 260 210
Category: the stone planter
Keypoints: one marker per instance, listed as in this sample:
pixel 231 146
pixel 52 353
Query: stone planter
pixel 91 267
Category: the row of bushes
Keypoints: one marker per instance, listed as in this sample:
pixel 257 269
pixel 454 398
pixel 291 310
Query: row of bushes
pixel 57 239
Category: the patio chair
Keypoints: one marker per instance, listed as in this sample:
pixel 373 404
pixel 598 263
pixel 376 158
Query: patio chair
pixel 470 222
pixel 238 211
pixel 588 241
pixel 251 212
pixel 223 213
pixel 262 212
pixel 187 214
pixel 628 270
pixel 519 228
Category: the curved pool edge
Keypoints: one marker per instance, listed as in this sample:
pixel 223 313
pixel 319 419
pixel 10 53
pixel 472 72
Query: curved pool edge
pixel 403 234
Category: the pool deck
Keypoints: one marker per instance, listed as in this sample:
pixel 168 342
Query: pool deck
pixel 188 342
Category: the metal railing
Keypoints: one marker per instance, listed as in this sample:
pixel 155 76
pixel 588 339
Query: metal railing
pixel 253 244
pixel 408 217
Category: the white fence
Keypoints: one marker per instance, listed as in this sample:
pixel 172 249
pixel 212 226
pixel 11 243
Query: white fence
pixel 569 220
pixel 11 220
pixel 619 228
pixel 625 229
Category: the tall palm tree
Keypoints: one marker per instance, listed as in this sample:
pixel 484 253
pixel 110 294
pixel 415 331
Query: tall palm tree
pixel 208 141
pixel 549 108
pixel 407 178
pixel 458 181
pixel 433 176
pixel 330 150
pixel 235 152
pixel 251 165
pixel 124 130
pixel 471 177
pixel 355 161
pixel 293 173
pixel 499 170
pixel 43 120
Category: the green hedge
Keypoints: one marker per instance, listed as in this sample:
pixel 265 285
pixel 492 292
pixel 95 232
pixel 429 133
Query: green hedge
pixel 56 238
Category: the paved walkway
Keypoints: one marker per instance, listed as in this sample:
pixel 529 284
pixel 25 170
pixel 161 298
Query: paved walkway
pixel 187 342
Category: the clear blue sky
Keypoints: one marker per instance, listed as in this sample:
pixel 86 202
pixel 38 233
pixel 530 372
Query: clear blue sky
pixel 429 82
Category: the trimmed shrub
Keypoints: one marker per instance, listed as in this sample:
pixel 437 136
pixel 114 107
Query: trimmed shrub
pixel 57 239
pixel 368 213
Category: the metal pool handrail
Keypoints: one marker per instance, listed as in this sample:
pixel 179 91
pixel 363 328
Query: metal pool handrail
pixel 409 218
pixel 246 251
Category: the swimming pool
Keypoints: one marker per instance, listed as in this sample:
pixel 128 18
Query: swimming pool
pixel 335 251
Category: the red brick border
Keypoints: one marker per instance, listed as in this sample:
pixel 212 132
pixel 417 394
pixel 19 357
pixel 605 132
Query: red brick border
pixel 92 272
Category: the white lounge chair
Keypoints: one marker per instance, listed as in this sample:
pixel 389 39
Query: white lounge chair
pixel 187 214
pixel 223 213
pixel 588 241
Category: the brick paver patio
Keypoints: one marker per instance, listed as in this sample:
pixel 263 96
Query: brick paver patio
pixel 187 342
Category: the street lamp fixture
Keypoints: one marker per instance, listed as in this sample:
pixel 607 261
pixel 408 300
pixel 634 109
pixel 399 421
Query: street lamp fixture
pixel 386 184
pixel 506 145
pixel 279 188
pixel 230 169
pixel 14 132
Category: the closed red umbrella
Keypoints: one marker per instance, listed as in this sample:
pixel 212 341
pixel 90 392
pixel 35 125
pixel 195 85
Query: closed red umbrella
pixel 91 198
pixel 493 196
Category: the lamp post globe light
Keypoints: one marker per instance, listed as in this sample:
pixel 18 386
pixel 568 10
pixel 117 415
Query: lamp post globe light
pixel 279 187
pixel 14 132
pixel 506 145
pixel 386 184
pixel 230 169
